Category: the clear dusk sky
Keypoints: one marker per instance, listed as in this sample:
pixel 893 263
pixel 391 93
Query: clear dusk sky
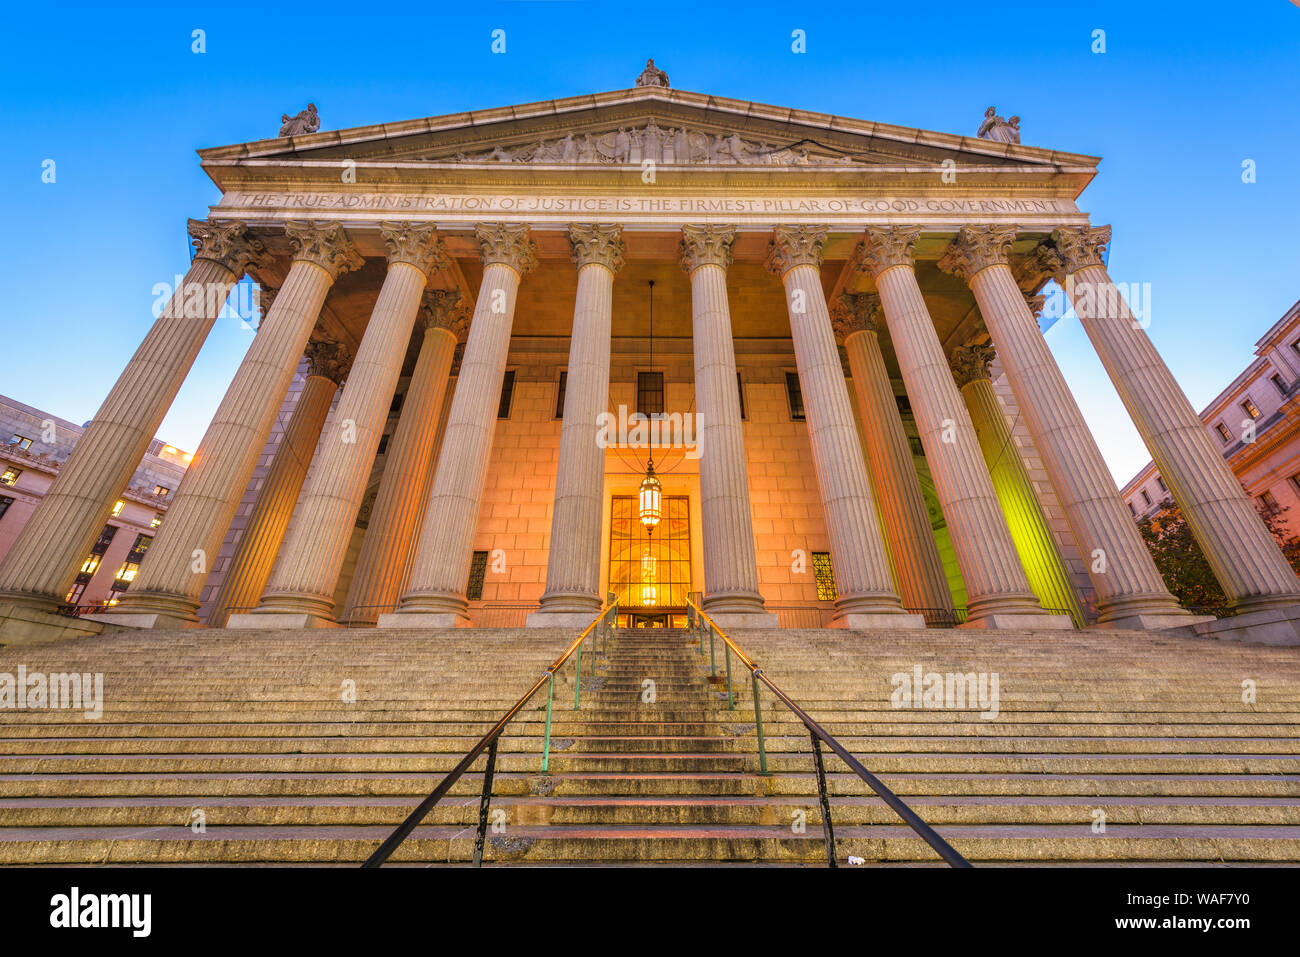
pixel 113 93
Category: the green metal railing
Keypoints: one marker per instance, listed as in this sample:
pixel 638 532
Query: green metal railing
pixel 598 631
pixel 701 624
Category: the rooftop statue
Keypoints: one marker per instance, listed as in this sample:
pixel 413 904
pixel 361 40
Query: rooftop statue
pixel 652 75
pixel 305 122
pixel 997 129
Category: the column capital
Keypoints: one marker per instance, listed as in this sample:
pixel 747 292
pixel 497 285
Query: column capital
pixel 265 300
pixel 705 245
pixel 327 358
pixel 855 312
pixel 325 245
pixel 595 243
pixel 229 244
pixel 886 247
pixel 1035 304
pixel 416 244
pixel 976 248
pixel 444 309
pixel 509 244
pixel 970 363
pixel 795 246
pixel 1080 246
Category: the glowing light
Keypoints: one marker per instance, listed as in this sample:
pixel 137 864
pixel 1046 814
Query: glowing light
pixel 650 500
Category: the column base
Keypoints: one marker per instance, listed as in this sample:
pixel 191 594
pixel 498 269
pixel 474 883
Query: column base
pixel 878 621
pixel 732 621
pixel 413 620
pixel 1008 621
pixel 1155 622
pixel 30 622
pixel 144 620
pixel 278 621
pixel 1269 626
pixel 152 610
pixel 560 619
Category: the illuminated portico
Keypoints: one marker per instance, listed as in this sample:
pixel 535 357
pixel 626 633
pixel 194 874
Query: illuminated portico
pixel 800 498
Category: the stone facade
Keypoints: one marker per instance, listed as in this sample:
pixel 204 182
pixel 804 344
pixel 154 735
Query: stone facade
pixel 691 258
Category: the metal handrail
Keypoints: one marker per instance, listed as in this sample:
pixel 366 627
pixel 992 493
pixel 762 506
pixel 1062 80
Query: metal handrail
pixel 819 735
pixel 489 741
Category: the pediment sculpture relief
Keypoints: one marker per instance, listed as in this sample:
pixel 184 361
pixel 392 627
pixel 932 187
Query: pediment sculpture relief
pixel 675 145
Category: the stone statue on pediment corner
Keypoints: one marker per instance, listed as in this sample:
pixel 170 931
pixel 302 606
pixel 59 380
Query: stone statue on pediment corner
pixel 307 121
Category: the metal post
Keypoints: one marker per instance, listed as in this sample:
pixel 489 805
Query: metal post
pixel 484 800
pixel 577 680
pixel 758 723
pixel 731 701
pixel 828 829
pixel 546 742
pixel 713 661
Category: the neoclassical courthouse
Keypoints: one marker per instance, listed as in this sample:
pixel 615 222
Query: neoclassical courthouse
pixel 829 323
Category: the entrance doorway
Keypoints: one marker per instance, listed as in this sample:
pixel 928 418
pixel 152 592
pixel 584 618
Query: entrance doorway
pixel 650 572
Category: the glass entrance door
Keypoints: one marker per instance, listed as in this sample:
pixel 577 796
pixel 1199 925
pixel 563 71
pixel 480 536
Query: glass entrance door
pixel 650 572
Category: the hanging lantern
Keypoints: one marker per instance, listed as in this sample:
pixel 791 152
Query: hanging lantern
pixel 650 504
pixel 648 564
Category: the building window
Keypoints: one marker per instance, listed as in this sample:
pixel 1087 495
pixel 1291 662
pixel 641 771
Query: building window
pixel 1223 432
pixel 10 476
pixel 1250 408
pixel 1278 383
pixel 507 394
pixel 20 441
pixel 5 502
pixel 397 403
pixel 161 491
pixel 740 393
pixel 1161 482
pixel 157 520
pixel 650 571
pixel 559 394
pixel 1294 480
pixel 1146 499
pixel 117 507
pixel 795 395
pixel 824 575
pixel 1132 511
pixel 650 393
pixel 126 574
pixel 383 445
pixel 477 572
pixel 1267 500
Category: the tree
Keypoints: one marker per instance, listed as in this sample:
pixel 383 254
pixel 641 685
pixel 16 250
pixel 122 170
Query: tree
pixel 1183 565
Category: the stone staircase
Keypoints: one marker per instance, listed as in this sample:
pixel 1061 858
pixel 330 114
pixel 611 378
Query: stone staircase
pixel 309 747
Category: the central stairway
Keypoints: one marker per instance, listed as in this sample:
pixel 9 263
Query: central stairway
pixel 310 747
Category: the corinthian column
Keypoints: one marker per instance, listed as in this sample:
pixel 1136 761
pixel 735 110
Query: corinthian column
pixel 241 586
pixel 573 566
pixel 38 570
pixel 399 505
pixel 1130 592
pixel 166 591
pixel 917 565
pixel 435 597
pixel 865 596
pixel 1250 567
pixel 1034 542
pixel 997 591
pixel 300 592
pixel 730 566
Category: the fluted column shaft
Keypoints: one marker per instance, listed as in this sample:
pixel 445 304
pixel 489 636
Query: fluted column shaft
pixel 251 563
pixel 1033 539
pixel 995 581
pixel 166 590
pixel 862 577
pixel 1120 566
pixel 573 563
pixel 440 570
pixel 730 562
pixel 394 519
pixel 305 577
pixel 1245 559
pixel 917 564
pixel 41 565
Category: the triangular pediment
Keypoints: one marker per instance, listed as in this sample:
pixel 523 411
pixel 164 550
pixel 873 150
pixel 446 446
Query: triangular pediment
pixel 673 128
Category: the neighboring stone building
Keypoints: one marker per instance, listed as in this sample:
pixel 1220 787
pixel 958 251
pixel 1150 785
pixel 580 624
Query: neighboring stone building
pixel 33 447
pixel 1255 423
pixel 445 416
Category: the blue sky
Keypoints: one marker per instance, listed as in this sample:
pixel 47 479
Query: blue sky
pixel 1183 94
